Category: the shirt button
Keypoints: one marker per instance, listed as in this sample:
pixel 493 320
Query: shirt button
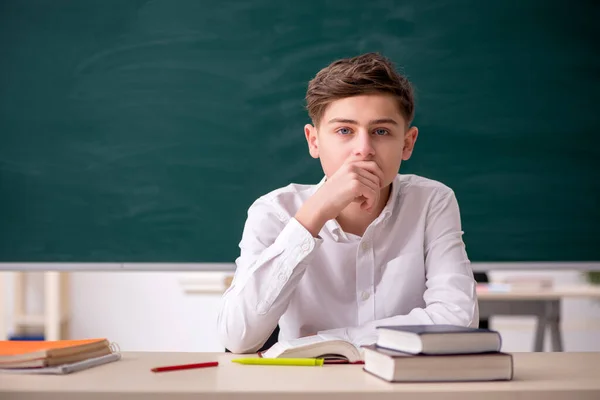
pixel 365 296
pixel 305 246
pixel 262 306
pixel 281 277
pixel 365 246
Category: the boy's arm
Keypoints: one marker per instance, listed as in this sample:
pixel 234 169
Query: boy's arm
pixel 450 296
pixel 274 255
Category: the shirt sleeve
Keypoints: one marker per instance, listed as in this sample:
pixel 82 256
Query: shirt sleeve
pixel 450 296
pixel 274 254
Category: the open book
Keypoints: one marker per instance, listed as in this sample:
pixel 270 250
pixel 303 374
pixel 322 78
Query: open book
pixel 331 348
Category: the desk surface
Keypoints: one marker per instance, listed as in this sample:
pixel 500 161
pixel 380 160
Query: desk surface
pixel 554 293
pixel 537 376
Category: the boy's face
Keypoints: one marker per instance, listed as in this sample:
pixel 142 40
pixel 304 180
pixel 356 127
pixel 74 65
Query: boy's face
pixel 368 127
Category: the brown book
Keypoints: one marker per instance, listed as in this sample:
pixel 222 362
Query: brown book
pixel 28 354
pixel 396 366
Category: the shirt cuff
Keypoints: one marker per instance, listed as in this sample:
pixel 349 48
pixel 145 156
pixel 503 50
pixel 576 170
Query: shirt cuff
pixel 295 236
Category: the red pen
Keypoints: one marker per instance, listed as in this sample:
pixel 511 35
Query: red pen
pixel 185 366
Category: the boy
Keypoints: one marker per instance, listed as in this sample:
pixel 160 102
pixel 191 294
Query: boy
pixel 366 246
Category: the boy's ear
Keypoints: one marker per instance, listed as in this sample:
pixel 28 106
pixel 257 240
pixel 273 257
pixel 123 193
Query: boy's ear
pixel 410 137
pixel 313 141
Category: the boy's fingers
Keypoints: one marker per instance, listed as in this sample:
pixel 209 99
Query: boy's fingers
pixel 368 178
pixel 371 197
pixel 373 168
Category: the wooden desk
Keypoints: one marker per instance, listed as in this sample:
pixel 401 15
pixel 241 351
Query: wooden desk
pixel 543 303
pixel 545 376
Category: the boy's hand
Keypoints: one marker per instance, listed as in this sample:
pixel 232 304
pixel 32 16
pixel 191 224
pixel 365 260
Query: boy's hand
pixel 355 181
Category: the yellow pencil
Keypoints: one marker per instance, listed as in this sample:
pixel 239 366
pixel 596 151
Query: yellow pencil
pixel 306 362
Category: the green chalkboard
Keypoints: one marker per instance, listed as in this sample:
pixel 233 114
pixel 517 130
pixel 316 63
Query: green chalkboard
pixel 143 130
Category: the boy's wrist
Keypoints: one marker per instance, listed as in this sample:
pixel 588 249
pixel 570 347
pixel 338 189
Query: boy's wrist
pixel 311 218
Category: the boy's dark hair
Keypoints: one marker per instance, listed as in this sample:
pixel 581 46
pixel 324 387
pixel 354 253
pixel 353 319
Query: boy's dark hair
pixel 365 74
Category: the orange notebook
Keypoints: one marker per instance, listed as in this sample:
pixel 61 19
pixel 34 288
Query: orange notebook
pixel 24 354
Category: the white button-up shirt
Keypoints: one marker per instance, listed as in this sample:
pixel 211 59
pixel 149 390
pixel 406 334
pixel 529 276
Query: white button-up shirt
pixel 410 267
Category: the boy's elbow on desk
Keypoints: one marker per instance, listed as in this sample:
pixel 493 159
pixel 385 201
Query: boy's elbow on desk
pixel 236 346
pixel 235 334
pixel 232 339
pixel 239 342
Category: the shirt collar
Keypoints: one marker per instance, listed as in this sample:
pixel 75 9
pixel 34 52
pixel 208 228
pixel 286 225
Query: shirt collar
pixel 392 200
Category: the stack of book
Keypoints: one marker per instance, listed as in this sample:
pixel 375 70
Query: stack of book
pixel 55 357
pixel 437 353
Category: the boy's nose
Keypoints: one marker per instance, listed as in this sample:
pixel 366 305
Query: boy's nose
pixel 364 147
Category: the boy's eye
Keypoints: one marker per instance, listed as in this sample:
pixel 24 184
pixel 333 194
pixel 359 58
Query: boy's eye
pixel 343 131
pixel 381 132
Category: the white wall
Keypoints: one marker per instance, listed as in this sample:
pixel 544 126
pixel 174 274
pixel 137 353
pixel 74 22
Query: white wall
pixel 151 311
pixel 143 311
